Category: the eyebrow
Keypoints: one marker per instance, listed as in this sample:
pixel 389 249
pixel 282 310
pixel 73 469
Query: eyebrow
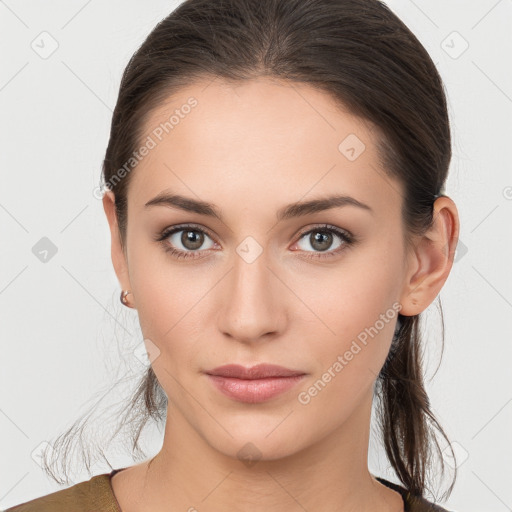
pixel 290 211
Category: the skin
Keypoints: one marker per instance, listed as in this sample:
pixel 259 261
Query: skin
pixel 251 149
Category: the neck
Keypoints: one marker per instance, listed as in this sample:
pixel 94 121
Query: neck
pixel 331 474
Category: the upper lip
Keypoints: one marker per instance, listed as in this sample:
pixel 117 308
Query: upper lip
pixel 259 371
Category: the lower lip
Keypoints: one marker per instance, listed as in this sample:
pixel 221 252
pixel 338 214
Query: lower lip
pixel 255 390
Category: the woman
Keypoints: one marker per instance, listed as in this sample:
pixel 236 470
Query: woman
pixel 274 190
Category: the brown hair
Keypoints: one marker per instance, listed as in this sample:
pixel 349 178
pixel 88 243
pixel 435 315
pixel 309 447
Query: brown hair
pixel 362 55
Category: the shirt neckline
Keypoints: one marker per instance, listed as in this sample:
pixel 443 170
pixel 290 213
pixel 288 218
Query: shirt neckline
pixel 401 490
pixel 406 495
pixel 111 489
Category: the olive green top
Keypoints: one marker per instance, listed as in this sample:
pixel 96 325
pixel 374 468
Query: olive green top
pixel 97 495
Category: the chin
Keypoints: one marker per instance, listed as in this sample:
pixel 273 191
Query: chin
pixel 255 444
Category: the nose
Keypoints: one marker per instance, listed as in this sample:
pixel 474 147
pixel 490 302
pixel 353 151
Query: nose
pixel 253 301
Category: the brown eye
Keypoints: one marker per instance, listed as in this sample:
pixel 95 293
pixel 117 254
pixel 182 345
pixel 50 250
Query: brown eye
pixel 321 239
pixel 185 241
pixel 192 239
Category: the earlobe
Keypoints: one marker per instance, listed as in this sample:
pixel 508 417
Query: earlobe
pixel 433 259
pixel 117 253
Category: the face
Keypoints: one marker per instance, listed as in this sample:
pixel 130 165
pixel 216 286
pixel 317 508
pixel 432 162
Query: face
pixel 311 289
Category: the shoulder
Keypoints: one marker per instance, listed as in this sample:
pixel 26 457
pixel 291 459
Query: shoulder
pixel 94 494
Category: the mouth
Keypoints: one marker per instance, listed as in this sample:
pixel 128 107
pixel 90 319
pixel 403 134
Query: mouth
pixel 255 384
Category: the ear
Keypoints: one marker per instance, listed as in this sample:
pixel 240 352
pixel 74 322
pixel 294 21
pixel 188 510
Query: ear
pixel 117 253
pixel 431 259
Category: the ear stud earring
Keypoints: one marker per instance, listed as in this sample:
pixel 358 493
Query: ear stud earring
pixel 124 293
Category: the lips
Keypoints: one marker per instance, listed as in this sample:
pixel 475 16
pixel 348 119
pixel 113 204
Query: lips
pixel 255 384
pixel 260 371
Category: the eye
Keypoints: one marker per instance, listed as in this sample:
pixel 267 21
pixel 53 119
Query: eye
pixel 321 239
pixel 184 241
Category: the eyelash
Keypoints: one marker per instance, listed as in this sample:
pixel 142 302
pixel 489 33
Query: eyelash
pixel 347 238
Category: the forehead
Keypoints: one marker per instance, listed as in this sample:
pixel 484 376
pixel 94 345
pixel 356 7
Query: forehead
pixel 262 135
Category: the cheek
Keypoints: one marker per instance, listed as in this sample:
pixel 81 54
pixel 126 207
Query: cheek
pixel 349 361
pixel 167 299
pixel 355 309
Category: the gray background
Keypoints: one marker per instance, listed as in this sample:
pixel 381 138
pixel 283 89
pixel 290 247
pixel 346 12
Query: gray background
pixel 65 337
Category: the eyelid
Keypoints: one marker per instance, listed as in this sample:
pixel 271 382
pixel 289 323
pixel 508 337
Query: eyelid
pixel 327 227
pixel 166 232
